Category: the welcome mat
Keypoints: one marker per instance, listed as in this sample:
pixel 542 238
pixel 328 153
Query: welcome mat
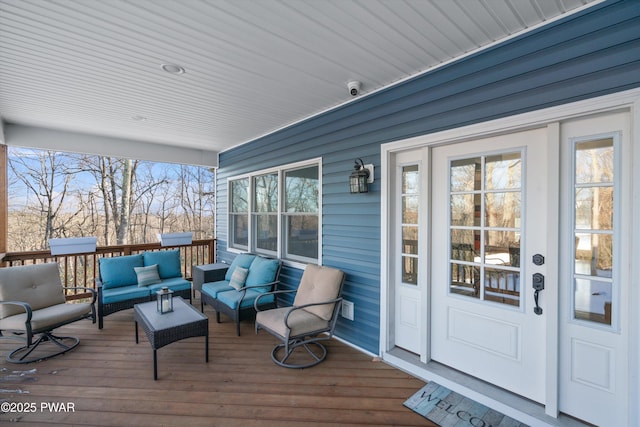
pixel 448 409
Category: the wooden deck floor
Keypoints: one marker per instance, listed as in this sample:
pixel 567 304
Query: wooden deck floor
pixel 108 380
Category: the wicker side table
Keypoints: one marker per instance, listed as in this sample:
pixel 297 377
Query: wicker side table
pixel 207 273
pixel 163 329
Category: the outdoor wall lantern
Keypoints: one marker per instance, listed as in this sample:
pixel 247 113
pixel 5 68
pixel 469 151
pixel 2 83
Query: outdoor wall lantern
pixel 164 300
pixel 361 177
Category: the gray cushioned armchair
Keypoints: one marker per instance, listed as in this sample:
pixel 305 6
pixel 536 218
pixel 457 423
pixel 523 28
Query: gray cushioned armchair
pixel 32 302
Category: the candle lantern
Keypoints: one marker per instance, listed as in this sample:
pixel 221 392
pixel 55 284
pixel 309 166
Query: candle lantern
pixel 164 300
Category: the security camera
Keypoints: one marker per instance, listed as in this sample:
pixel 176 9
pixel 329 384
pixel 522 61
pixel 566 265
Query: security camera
pixel 354 87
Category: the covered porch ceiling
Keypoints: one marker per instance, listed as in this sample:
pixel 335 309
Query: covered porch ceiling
pixel 244 68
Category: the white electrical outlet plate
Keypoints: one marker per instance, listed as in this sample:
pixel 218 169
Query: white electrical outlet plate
pixel 347 309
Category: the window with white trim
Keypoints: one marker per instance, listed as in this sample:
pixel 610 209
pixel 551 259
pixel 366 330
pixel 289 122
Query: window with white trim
pixel 239 213
pixel 276 212
pixel 264 213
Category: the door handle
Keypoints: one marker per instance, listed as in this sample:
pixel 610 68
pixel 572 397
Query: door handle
pixel 538 285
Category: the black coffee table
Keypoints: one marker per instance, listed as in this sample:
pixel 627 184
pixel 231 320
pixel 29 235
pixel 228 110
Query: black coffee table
pixel 162 329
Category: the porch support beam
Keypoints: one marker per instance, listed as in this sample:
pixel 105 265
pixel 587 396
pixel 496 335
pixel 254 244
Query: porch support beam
pixel 4 200
pixel 75 142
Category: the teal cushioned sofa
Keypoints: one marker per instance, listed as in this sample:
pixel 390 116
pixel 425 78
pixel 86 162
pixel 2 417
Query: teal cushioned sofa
pixel 262 276
pixel 120 288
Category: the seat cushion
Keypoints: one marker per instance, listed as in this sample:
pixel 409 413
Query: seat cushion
pixel 316 285
pixel 45 318
pixel 119 271
pixel 175 284
pixel 301 321
pixel 232 298
pixel 214 288
pixel 168 262
pixel 38 284
pixel 147 275
pixel 242 260
pixel 262 271
pixel 124 293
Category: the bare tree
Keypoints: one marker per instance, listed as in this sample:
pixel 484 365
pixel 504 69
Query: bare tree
pixel 122 227
pixel 47 177
pixel 196 197
pixel 120 200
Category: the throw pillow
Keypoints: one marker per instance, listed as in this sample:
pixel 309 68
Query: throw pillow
pixel 238 278
pixel 147 275
pixel 241 260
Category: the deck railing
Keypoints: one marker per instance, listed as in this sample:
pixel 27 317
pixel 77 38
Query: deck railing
pixel 80 270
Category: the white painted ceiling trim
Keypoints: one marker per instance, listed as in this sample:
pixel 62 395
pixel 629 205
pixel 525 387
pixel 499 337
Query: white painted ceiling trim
pixel 75 142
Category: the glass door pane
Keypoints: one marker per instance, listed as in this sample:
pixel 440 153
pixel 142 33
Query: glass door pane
pixel 410 214
pixel 485 196
pixel 594 192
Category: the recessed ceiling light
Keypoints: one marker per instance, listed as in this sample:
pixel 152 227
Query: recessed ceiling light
pixel 139 118
pixel 173 68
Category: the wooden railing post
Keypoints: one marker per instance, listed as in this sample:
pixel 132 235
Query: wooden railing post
pixel 212 251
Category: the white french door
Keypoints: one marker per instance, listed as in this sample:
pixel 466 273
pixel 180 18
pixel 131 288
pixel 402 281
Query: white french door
pixel 409 251
pixel 489 244
pixel 524 256
pixel 595 296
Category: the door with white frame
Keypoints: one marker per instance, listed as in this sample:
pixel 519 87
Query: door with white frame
pixel 524 256
pixel 595 295
pixel 409 252
pixel 491 234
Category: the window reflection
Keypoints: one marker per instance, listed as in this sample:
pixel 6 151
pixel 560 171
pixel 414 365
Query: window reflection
pixel 410 206
pixel 502 286
pixel 594 208
pixel 502 248
pixel 503 209
pixel 594 197
pixel 301 216
pixel 410 209
pixel 504 171
pixel 485 227
pixel 465 280
pixel 302 235
pixel 465 209
pixel 410 270
pixel 593 300
pixel 410 179
pixel 466 174
pixel 239 214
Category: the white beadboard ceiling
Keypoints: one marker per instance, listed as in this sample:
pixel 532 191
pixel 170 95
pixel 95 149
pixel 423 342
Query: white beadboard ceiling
pixel 94 66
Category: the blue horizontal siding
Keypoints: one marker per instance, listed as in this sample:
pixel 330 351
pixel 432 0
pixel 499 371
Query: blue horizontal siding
pixel 593 53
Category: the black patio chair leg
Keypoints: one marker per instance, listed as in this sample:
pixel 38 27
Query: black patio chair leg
pixel 289 348
pixel 17 355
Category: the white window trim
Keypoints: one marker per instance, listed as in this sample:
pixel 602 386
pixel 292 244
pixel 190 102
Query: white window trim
pixel 295 263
